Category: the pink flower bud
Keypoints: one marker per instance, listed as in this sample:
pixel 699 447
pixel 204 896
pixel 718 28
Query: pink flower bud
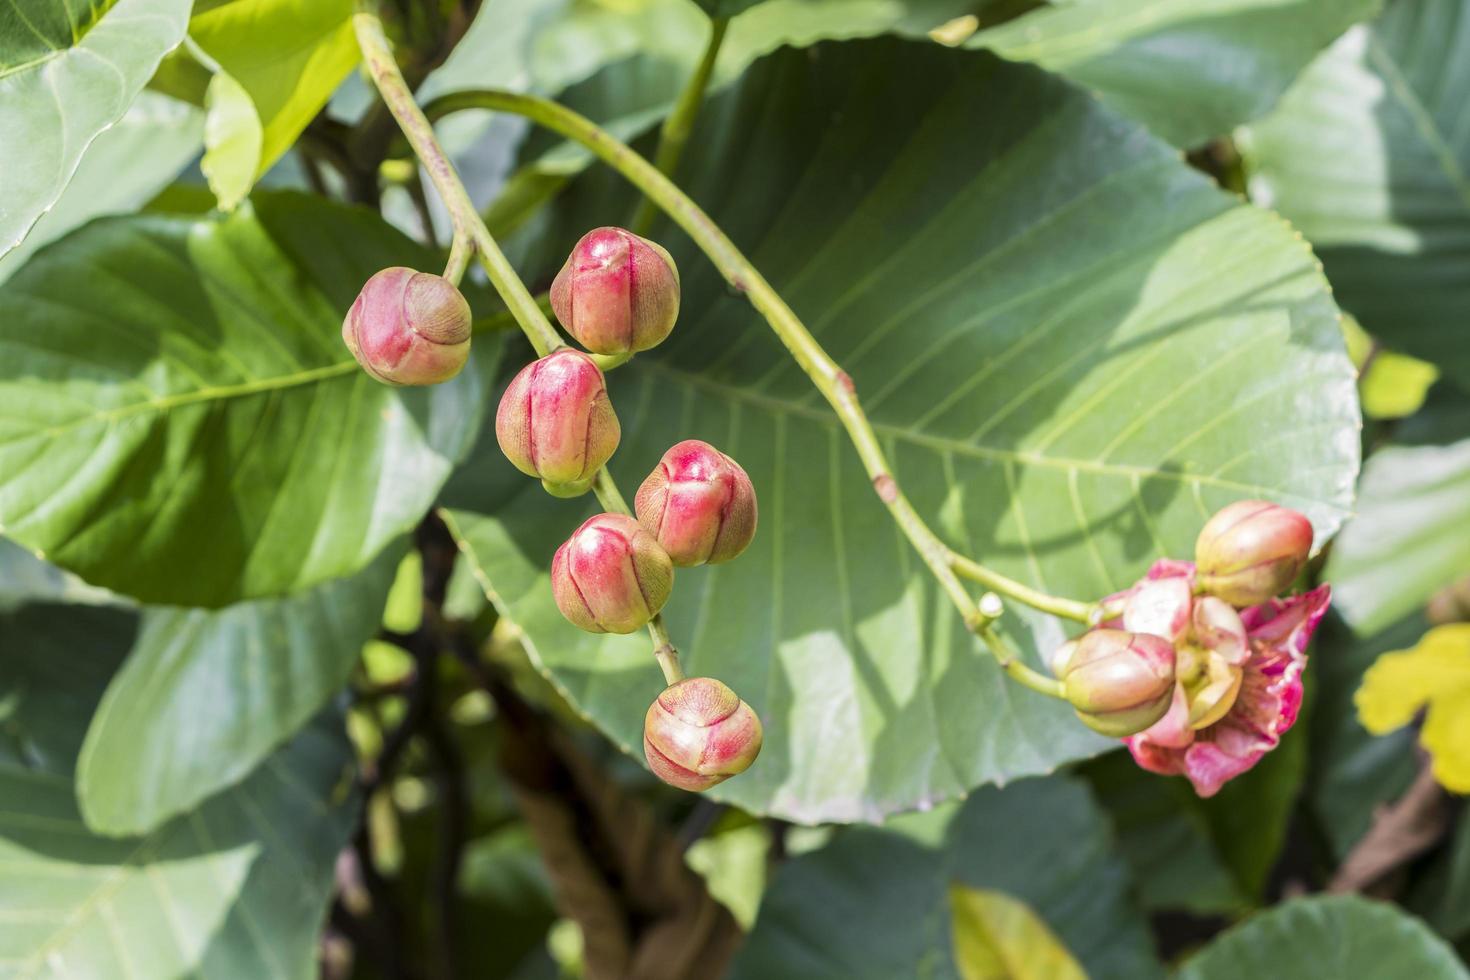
pixel 1120 682
pixel 1251 551
pixel 611 576
pixel 699 503
pixel 617 293
pixel 409 328
pixel 555 421
pixel 698 733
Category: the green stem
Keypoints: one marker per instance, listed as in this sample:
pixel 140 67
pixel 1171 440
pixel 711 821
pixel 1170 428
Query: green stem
pixel 469 229
pixel 461 250
pixel 471 236
pixel 674 135
pixel 834 384
pixel 1082 612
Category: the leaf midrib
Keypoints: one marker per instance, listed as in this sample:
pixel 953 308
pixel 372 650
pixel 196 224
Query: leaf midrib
pixel 959 447
pixel 213 394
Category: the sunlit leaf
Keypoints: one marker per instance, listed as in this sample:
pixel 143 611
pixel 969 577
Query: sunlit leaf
pixel 189 428
pixel 67 72
pixel 1027 292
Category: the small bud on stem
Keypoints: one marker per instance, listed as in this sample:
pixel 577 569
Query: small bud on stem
pixel 699 503
pixel 617 293
pixel 1251 551
pixel 1119 682
pixel 409 328
pixel 555 421
pixel 611 576
pixel 698 733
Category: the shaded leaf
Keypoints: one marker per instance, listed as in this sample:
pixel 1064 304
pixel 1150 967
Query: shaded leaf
pixel 1327 939
pixel 1433 676
pixel 1368 155
pixel 997 937
pixel 67 72
pixel 189 428
pixel 1036 320
pixel 1188 69
pixel 240 681
pixel 875 903
pixel 1353 773
pixel 237 888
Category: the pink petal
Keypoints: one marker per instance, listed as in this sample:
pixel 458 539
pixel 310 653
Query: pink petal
pixel 1270 699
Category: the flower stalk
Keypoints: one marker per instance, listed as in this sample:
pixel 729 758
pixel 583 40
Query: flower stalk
pixel 834 383
pixel 473 239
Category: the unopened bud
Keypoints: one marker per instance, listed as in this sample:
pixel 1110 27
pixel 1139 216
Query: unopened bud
pixel 611 576
pixel 409 328
pixel 1119 682
pixel 699 503
pixel 555 421
pixel 1252 550
pixel 698 733
pixel 617 293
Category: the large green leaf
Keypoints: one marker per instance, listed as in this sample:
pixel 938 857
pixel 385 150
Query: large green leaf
pixel 180 421
pixel 875 903
pixel 1401 547
pixel 1370 157
pixel 68 71
pixel 1189 69
pixel 236 888
pixel 1327 939
pixel 125 166
pixel 241 681
pixel 1030 295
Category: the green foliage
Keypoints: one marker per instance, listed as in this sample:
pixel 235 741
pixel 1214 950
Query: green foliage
pixel 199 382
pixel 1188 69
pixel 236 887
pixel 875 903
pixel 998 938
pixel 1395 554
pixel 1048 395
pixel 1327 939
pixel 1368 155
pixel 68 71
pixel 240 681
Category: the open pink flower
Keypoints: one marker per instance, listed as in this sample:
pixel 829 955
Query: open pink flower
pixel 1220 745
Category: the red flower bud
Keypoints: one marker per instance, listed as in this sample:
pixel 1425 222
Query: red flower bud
pixel 1120 682
pixel 409 328
pixel 617 293
pixel 699 503
pixel 555 421
pixel 698 733
pixel 1251 551
pixel 611 576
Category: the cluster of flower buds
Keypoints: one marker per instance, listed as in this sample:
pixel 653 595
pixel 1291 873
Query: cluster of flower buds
pixel 409 328
pixel 1198 669
pixel 618 294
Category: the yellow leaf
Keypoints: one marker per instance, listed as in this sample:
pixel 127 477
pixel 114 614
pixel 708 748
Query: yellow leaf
pixel 997 937
pixel 1433 674
pixel 232 139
